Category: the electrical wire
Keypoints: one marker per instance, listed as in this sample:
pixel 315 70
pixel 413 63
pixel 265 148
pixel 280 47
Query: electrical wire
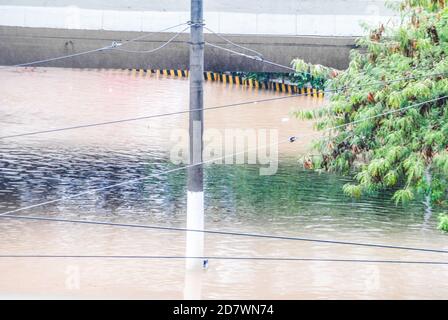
pixel 145 117
pixel 256 58
pixel 233 43
pixel 114 46
pixel 156 49
pixel 387 113
pixel 144 36
pixel 266 259
pixel 61 57
pixel 225 233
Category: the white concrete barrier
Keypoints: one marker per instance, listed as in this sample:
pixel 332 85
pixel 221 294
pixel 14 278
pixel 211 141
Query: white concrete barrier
pixel 72 17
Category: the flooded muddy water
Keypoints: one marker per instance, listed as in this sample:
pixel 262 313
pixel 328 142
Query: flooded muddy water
pixel 293 202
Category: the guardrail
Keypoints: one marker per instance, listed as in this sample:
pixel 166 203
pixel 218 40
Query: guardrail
pixel 229 78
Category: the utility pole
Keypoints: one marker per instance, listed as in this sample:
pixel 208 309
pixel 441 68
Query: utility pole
pixel 195 197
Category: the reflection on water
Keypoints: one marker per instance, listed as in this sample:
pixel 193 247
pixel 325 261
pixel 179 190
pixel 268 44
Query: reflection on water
pixel 292 202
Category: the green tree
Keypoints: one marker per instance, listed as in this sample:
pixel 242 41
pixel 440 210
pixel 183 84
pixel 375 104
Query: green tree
pixel 443 222
pixel 399 140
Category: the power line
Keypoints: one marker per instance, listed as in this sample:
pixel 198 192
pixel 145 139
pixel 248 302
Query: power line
pixel 233 43
pixel 160 115
pixel 156 49
pixel 256 58
pixel 62 57
pixel 387 113
pixel 116 46
pixel 144 36
pixel 225 233
pixel 273 259
pixel 414 77
pixel 113 46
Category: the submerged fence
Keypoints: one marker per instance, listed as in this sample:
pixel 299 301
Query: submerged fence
pixel 233 78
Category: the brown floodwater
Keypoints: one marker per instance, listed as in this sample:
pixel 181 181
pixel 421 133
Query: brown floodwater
pixel 292 202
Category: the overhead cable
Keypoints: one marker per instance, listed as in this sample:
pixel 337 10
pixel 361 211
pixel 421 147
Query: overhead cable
pixel 225 233
pixel 155 49
pixel 224 258
pixel 114 46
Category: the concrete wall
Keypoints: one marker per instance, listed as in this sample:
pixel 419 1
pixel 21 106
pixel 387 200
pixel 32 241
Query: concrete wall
pixel 318 31
pixel 281 17
pixel 257 6
pixel 18 45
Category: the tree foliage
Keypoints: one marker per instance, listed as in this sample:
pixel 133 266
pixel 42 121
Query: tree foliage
pixel 311 75
pixel 300 78
pixel 443 222
pixel 391 144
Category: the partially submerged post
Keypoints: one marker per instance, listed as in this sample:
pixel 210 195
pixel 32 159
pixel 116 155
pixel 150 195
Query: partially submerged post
pixel 195 197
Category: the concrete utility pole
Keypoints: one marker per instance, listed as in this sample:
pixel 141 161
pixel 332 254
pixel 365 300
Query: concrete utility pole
pixel 195 197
